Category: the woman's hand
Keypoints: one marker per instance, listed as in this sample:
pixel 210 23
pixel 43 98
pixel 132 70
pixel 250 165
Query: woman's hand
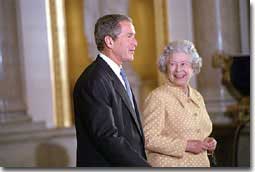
pixel 210 143
pixel 196 146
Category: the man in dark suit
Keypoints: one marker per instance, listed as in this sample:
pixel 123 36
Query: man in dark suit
pixel 107 121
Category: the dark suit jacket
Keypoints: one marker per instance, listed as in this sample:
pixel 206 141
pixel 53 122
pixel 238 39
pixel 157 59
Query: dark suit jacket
pixel 109 131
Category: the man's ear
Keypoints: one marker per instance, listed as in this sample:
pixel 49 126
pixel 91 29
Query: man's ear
pixel 108 41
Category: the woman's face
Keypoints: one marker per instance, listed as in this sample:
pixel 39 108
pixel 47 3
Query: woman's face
pixel 179 69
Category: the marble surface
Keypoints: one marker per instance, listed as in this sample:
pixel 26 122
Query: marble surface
pixel 11 85
pixel 37 146
pixel 216 28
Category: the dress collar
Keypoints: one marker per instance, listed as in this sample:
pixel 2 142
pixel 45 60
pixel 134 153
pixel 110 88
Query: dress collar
pixel 182 97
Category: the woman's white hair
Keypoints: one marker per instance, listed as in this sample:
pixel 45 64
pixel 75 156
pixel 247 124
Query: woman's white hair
pixel 180 46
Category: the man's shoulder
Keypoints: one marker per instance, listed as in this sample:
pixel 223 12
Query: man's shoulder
pixel 94 74
pixel 97 68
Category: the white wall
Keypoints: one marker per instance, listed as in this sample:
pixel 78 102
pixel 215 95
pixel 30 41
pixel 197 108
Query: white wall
pixel 180 19
pixel 180 23
pixel 33 35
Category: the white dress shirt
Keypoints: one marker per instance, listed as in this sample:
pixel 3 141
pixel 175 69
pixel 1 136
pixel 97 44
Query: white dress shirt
pixel 115 67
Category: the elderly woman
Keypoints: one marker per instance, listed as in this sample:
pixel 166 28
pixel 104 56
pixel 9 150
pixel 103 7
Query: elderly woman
pixel 175 120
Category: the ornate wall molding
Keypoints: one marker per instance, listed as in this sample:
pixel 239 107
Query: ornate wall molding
pixel 161 30
pixel 59 62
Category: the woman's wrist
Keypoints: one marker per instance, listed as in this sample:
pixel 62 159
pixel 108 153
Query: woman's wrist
pixel 210 152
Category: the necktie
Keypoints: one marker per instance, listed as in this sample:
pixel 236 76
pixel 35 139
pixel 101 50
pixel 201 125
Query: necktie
pixel 124 77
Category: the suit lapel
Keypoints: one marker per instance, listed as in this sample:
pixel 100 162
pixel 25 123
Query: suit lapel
pixel 124 96
pixel 119 88
pixel 138 116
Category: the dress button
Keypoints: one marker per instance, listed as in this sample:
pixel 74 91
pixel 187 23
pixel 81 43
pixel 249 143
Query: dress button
pixel 195 114
pixel 198 130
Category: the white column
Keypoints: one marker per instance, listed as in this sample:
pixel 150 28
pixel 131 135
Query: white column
pixel 216 29
pixel 11 87
pixel 33 33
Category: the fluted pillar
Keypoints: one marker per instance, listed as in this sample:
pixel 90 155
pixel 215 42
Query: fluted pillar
pixel 216 29
pixel 11 88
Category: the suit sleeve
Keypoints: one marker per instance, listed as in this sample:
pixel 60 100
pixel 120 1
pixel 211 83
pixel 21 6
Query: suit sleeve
pixel 153 124
pixel 100 123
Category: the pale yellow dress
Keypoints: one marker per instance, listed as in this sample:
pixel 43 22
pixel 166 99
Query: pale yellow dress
pixel 170 118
